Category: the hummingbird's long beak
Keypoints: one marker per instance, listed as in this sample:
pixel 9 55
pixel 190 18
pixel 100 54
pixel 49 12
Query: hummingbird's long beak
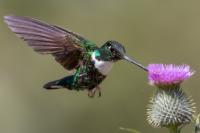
pixel 134 62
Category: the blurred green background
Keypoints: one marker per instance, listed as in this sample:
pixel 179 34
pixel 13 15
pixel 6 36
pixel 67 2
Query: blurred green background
pixel 152 31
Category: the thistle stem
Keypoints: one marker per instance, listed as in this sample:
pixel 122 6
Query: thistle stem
pixel 174 129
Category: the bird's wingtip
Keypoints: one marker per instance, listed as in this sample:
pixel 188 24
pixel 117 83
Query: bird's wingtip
pixel 7 17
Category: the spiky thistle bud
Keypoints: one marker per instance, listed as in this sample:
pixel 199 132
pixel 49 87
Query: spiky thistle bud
pixel 170 106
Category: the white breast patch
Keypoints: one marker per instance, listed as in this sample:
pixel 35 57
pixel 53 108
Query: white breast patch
pixel 103 66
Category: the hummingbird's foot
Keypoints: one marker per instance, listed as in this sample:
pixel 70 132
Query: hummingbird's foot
pixel 91 93
pixel 99 90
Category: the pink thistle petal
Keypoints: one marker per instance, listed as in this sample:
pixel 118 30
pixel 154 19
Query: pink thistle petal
pixel 168 74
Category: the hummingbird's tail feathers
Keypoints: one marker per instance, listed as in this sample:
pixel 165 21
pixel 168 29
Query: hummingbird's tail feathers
pixel 66 82
pixel 52 85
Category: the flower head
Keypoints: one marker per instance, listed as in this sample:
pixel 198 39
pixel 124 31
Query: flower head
pixel 167 75
pixel 170 107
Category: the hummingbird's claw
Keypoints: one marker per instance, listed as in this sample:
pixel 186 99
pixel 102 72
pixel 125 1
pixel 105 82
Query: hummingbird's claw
pixel 99 93
pixel 91 93
pixel 99 90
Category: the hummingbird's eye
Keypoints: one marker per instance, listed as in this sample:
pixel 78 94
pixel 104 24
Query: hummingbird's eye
pixel 112 50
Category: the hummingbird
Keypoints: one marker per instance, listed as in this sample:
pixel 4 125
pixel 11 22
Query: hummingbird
pixel 74 52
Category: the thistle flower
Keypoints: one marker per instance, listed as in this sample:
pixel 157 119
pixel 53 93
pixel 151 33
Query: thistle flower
pixel 166 75
pixel 169 107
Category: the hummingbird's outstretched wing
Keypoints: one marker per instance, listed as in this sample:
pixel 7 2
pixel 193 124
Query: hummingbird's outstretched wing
pixel 67 47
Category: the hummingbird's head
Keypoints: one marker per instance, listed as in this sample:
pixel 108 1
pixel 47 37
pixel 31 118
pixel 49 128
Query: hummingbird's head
pixel 118 52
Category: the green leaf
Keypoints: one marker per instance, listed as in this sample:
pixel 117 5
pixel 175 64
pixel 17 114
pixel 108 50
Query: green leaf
pixel 129 130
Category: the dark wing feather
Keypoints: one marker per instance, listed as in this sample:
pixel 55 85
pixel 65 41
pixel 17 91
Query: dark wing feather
pixel 66 46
